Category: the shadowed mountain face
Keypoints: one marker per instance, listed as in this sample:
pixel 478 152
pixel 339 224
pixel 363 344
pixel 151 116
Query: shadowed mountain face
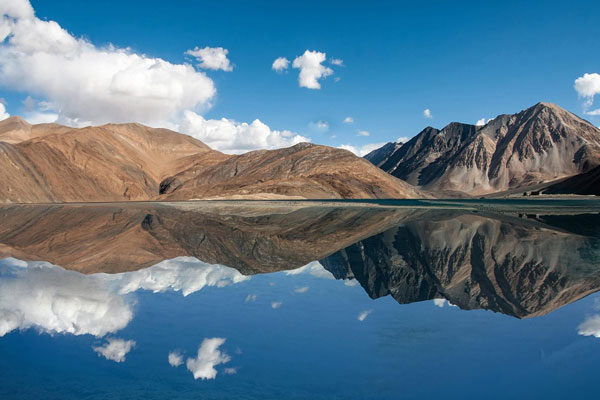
pixel 540 144
pixel 116 162
pixel 517 266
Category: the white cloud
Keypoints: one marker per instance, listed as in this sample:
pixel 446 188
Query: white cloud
pixel 87 84
pixel 362 150
pixel 302 289
pixel 185 274
pixel 588 86
pixel 214 58
pixel 350 282
pixel 427 113
pixel 364 314
pixel 439 302
pixel 230 371
pixel 336 61
pixel 280 64
pixel 250 298
pixel 363 133
pixel 37 117
pixel 55 300
pixel 314 269
pixel 593 112
pixel 403 139
pixel 311 69
pixel 3 113
pixel 175 359
pixel 590 326
pixel 322 126
pixel 276 304
pixel 480 122
pixel 209 356
pixel 230 136
pixel 348 120
pixel 115 349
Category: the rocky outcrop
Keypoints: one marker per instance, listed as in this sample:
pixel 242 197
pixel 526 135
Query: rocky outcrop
pixel 540 144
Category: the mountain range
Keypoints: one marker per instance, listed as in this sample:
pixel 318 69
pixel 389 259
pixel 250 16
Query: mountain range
pixel 119 162
pixel 542 144
pixel 543 147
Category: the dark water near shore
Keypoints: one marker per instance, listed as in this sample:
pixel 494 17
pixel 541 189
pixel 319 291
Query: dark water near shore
pixel 301 300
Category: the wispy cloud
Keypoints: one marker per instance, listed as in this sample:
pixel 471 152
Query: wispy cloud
pixel 427 113
pixel 363 314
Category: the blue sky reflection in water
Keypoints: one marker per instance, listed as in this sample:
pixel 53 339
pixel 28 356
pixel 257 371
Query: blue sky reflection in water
pixel 292 335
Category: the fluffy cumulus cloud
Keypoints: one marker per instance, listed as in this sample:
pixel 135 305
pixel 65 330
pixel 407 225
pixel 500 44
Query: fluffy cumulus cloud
pixel 590 326
pixel 280 64
pixel 588 86
pixel 230 136
pixel 214 58
pixel 480 122
pixel 311 69
pixel 115 349
pixel 208 357
pixel 84 83
pixel 348 120
pixel 185 274
pixel 54 300
pixel 427 113
pixel 361 150
pixel 3 113
pixel 175 359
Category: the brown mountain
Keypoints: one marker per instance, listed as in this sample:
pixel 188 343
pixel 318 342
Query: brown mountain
pixel 540 144
pixel 253 238
pixel 115 162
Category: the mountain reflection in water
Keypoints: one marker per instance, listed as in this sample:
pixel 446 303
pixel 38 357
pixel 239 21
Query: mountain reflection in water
pixel 267 300
pixel 518 264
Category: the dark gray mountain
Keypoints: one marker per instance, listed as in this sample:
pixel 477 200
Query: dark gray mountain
pixel 540 144
pixel 380 155
pixel 522 268
pixel 586 183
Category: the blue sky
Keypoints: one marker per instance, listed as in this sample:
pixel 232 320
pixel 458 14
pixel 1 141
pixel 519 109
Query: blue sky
pixel 463 61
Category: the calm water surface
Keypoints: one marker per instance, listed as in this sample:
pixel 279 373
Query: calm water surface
pixel 303 300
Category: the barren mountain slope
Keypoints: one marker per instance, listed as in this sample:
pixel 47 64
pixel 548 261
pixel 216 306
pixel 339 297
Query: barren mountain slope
pixel 304 171
pixel 110 162
pixel 540 144
pixel 115 162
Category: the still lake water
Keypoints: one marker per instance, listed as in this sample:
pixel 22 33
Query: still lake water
pixel 306 300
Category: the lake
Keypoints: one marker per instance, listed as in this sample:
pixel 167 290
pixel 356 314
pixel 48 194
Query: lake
pixel 300 300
